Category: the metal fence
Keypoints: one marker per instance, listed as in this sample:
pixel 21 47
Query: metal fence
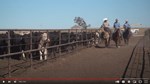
pixel 8 55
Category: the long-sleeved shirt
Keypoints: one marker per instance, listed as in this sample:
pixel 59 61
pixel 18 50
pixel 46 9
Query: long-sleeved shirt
pixel 116 25
pixel 126 25
pixel 105 25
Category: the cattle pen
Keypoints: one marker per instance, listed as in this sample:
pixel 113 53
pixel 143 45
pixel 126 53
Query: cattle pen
pixel 72 40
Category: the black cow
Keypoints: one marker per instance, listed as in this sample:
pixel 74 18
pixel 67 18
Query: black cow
pixel 14 44
pixel 26 44
pixel 54 40
pixel 36 41
pixel 3 44
pixel 20 43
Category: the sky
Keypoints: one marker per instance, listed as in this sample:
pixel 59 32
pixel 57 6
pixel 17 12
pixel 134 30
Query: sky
pixel 54 14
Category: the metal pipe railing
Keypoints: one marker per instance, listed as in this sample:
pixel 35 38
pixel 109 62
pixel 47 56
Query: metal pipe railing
pixel 9 54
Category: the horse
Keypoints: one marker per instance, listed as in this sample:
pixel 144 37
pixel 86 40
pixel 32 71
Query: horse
pixel 101 36
pixel 44 42
pixel 97 38
pixel 117 37
pixel 126 35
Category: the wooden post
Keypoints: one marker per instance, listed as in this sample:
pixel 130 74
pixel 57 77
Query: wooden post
pixel 31 49
pixel 9 58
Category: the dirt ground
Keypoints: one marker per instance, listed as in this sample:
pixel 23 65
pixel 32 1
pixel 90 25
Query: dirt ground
pixel 87 63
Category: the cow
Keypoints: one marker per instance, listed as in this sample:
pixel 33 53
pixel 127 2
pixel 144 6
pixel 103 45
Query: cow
pixel 88 37
pixel 3 44
pixel 54 36
pixel 37 40
pixel 14 44
pixel 20 42
pixel 43 43
pixel 40 40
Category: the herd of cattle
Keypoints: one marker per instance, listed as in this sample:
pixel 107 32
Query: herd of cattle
pixel 34 40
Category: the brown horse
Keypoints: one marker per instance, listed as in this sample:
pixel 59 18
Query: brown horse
pixel 126 35
pixel 117 38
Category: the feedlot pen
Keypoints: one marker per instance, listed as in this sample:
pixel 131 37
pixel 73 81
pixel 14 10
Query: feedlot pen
pixel 10 66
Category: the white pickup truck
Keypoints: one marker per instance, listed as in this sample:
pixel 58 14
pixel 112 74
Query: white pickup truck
pixel 135 31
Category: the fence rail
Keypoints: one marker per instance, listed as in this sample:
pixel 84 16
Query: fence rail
pixel 9 53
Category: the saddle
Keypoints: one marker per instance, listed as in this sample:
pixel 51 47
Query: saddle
pixel 127 32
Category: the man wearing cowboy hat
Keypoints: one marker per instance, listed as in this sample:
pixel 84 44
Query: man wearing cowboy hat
pixel 105 25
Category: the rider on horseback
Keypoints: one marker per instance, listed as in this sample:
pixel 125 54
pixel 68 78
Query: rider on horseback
pixel 126 25
pixel 127 32
pixel 105 32
pixel 117 27
pixel 106 25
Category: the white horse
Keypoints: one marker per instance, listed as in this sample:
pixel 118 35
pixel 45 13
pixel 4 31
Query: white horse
pixel 44 42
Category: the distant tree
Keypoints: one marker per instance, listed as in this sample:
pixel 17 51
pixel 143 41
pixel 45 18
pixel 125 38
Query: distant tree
pixel 80 21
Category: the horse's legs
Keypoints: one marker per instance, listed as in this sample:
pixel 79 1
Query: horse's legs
pixel 96 42
pixel 127 41
pixel 106 42
pixel 109 41
pixel 119 41
pixel 116 44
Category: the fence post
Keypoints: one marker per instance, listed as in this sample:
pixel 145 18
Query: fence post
pixel 86 34
pixel 86 42
pixel 76 39
pixel 69 36
pixel 31 49
pixel 59 42
pixel 91 38
pixel 48 43
pixel 68 47
pixel 91 33
pixel 9 58
pixel 82 37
